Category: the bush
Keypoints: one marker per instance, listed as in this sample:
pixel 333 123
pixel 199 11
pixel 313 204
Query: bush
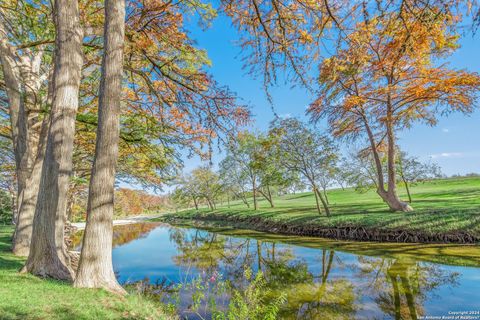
pixel 6 209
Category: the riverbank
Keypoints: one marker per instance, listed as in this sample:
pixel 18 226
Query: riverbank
pixel 446 211
pixel 28 297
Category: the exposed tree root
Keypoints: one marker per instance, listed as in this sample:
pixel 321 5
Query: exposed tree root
pixel 356 233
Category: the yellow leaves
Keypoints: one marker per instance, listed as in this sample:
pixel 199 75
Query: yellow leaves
pixel 353 101
pixel 305 37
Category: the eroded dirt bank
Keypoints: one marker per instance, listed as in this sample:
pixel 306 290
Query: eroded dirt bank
pixel 357 233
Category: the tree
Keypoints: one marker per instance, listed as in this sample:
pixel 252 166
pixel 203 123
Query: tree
pixel 95 269
pixel 271 173
pixel 188 189
pixel 180 198
pixel 48 256
pixel 359 170
pixel 245 151
pixel 303 150
pixel 207 185
pixel 410 171
pixel 385 77
pixel 233 180
pixel 25 58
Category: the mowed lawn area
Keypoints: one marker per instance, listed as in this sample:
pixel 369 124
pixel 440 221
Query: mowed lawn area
pixel 28 297
pixel 444 205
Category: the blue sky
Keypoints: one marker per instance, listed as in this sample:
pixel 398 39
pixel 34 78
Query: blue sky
pixel 454 143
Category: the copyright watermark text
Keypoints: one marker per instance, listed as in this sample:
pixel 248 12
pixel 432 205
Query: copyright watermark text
pixel 454 315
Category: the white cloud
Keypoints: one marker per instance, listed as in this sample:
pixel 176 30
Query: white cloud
pixel 445 130
pixel 285 116
pixel 447 155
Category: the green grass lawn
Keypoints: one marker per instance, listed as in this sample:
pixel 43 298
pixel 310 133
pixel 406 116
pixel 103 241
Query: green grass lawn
pixel 446 205
pixel 28 297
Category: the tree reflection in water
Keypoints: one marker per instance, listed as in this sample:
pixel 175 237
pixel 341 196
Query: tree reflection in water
pixel 318 282
pixel 400 286
pixel 309 295
pixel 122 234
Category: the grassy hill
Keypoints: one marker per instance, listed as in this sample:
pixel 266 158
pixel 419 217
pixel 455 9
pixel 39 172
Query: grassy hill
pixel 446 206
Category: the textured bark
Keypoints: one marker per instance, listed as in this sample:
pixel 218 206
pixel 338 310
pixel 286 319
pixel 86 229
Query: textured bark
pixel 391 197
pixel 23 82
pixel 26 208
pixel 388 195
pixel 95 268
pixel 13 89
pixel 26 212
pixel 48 256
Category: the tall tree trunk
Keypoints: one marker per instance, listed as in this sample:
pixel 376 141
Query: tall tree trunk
pixel 324 203
pixel 391 196
pixel 405 182
pixel 26 212
pixel 254 188
pixel 18 124
pixel 26 207
pixel 325 195
pixel 95 268
pixel 319 194
pixel 378 164
pixel 48 256
pixel 270 196
pixel 316 201
pixel 195 203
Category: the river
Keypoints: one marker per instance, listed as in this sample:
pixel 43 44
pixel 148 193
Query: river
pixel 319 278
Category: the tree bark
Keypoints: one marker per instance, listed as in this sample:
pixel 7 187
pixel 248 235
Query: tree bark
pixel 13 89
pixel 267 196
pixel 23 82
pixel 326 195
pixel 391 197
pixel 254 188
pixel 48 256
pixel 26 212
pixel 316 201
pixel 270 197
pixel 407 189
pixel 95 268
pixel 26 207
pixel 324 203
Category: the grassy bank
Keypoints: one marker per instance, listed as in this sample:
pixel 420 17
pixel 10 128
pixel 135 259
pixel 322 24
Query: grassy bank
pixel 444 210
pixel 28 297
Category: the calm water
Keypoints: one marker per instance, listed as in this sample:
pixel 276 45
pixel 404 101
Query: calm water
pixel 322 279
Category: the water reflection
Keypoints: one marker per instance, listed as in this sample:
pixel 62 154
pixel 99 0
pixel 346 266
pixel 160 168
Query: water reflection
pixel 319 282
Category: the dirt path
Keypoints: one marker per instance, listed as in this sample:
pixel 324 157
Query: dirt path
pixel 128 220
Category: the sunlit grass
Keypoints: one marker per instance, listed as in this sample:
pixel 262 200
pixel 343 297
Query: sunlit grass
pixel 446 205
